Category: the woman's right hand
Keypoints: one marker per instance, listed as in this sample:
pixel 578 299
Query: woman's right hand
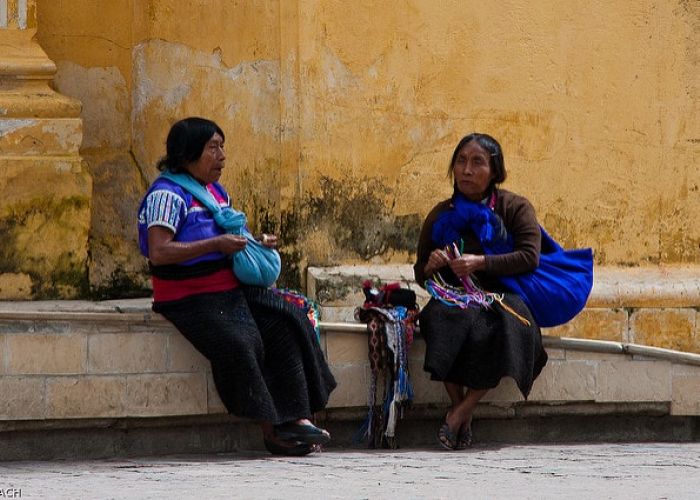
pixel 230 243
pixel 438 258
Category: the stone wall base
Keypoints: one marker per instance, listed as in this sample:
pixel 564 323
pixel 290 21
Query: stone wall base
pixel 207 434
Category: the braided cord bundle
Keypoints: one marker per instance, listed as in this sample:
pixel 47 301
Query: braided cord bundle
pixel 462 297
pixel 469 294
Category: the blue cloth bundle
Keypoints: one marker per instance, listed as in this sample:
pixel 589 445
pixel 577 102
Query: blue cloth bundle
pixel 256 264
pixel 555 292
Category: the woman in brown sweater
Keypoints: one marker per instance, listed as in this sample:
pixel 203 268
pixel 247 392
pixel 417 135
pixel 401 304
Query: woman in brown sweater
pixel 471 348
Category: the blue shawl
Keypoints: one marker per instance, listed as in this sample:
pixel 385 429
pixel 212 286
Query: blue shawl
pixel 555 292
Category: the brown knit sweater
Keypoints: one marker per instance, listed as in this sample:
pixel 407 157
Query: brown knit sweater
pixel 519 218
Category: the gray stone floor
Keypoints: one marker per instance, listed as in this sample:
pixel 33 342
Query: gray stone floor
pixel 639 471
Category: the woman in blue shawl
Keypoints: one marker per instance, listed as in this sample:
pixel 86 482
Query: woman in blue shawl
pixel 476 330
pixel 266 362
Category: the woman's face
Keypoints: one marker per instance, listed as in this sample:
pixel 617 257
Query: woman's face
pixel 208 167
pixel 472 171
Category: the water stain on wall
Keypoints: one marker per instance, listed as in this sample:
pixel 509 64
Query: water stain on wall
pixel 354 220
pixel 23 250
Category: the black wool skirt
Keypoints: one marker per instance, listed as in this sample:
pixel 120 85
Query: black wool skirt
pixel 477 347
pixel 265 359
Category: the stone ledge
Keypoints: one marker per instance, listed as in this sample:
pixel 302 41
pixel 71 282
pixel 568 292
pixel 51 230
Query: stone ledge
pixel 178 382
pixel 613 287
pixel 68 361
pixel 139 315
pixel 654 306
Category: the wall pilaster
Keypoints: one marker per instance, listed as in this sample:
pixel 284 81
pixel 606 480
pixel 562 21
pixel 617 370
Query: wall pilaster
pixel 45 190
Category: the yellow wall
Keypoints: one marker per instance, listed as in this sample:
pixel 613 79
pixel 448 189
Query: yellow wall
pixel 340 120
pixel 595 103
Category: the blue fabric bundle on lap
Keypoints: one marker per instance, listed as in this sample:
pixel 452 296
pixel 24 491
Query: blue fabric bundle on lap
pixel 555 292
pixel 558 289
pixel 256 264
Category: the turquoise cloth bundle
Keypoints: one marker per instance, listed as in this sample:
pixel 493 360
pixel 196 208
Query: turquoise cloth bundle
pixel 256 264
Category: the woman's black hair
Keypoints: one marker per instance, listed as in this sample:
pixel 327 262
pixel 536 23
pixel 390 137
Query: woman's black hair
pixel 491 145
pixel 186 141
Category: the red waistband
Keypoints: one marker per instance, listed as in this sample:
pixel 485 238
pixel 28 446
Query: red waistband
pixel 219 281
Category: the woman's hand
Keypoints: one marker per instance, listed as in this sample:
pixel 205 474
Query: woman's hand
pixel 467 264
pixel 268 240
pixel 230 243
pixel 437 259
pixel 163 249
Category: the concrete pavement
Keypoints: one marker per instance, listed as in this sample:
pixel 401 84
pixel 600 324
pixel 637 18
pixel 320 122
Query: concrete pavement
pixel 639 471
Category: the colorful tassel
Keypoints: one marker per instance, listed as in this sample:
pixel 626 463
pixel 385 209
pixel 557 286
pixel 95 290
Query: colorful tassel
pixel 469 294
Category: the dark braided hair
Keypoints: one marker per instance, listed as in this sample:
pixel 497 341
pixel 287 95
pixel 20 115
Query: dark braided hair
pixel 186 141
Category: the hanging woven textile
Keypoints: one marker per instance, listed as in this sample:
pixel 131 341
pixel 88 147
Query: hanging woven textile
pixel 389 313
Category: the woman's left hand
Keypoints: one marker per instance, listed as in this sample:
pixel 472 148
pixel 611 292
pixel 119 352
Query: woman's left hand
pixel 466 264
pixel 268 240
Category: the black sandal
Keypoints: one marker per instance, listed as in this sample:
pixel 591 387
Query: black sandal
pixel 446 437
pixel 305 433
pixel 464 438
pixel 288 449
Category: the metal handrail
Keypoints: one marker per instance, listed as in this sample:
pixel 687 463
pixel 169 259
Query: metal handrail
pixel 568 343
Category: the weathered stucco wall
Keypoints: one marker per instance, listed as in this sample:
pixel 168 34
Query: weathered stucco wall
pixel 139 66
pixel 91 44
pixel 340 121
pixel 596 106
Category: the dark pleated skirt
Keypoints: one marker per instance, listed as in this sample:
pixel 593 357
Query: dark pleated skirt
pixel 477 347
pixel 266 362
